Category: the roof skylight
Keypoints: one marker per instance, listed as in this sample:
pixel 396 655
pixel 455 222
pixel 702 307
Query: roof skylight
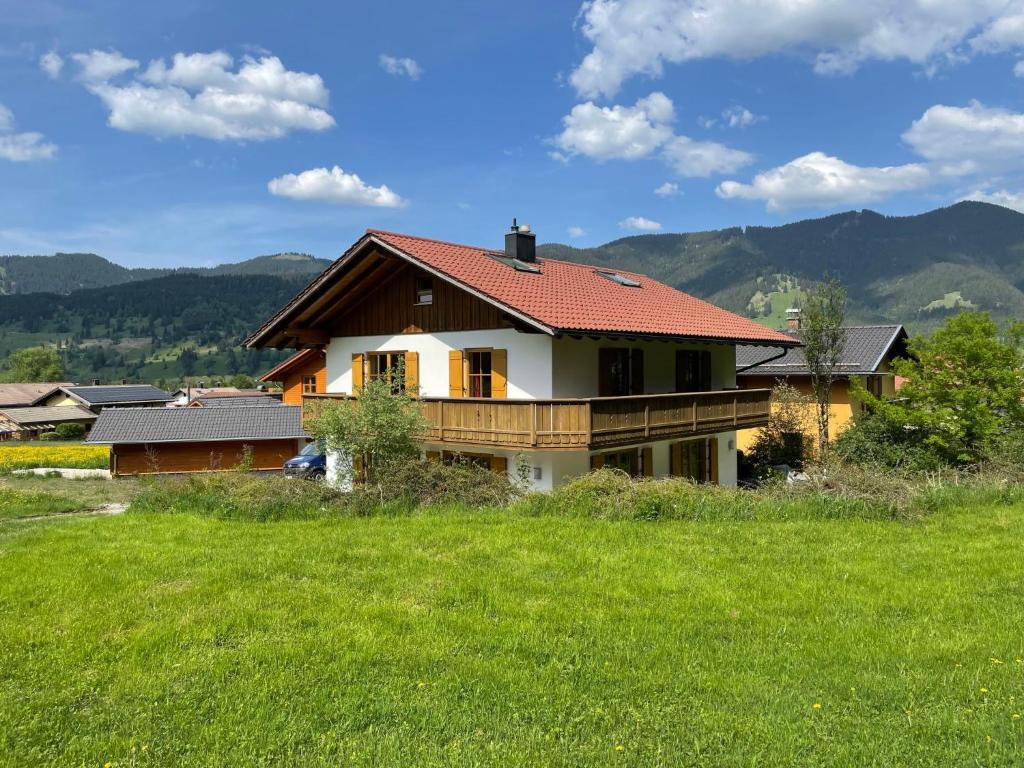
pixel 615 277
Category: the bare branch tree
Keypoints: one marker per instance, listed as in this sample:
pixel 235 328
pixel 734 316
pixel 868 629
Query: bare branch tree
pixel 822 331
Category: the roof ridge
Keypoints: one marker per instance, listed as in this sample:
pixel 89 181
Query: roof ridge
pixel 432 240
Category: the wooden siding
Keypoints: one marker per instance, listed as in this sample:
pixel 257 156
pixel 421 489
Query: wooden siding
pixel 170 458
pixel 291 382
pixel 576 424
pixel 391 308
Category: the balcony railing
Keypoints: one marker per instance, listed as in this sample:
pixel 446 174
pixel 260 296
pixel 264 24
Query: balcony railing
pixel 577 424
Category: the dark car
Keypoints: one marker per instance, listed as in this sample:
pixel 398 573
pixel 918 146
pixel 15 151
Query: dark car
pixel 310 464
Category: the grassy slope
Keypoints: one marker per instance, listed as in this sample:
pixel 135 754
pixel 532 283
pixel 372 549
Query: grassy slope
pixel 490 639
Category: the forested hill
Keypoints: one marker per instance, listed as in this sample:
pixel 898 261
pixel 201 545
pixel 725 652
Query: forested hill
pixel 914 269
pixel 66 272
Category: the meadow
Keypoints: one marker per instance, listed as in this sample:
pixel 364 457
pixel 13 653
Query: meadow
pixel 15 454
pixel 513 637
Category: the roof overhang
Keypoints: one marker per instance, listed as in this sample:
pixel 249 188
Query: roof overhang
pixel 301 436
pixel 631 335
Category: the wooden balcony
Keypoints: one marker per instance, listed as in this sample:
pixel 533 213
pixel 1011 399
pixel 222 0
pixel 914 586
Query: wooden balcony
pixel 582 424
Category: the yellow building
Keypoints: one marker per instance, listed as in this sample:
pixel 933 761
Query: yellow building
pixel 867 357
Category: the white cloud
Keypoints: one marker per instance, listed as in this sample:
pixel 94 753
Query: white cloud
pixel 740 117
pixel 333 186
pixel 668 189
pixel 1018 69
pixel 817 179
pixel 51 63
pixel 968 139
pixel 631 133
pixel 575 232
pixel 199 95
pixel 1005 198
pixel 1003 34
pixel 22 147
pixel 640 223
pixel 403 67
pixel 638 37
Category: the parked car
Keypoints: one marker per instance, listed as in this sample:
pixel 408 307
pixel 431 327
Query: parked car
pixel 310 464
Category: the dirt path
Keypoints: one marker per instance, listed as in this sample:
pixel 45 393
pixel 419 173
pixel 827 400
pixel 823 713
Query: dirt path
pixel 114 508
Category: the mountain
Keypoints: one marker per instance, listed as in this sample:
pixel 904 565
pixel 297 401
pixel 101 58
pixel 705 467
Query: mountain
pixel 912 269
pixel 63 273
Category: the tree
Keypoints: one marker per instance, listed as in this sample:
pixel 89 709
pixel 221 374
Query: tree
pixel 824 337
pixel 36 364
pixel 783 439
pixel 963 389
pixel 377 431
pixel 242 381
pixel 187 360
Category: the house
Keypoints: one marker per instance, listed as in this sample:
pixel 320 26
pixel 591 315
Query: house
pixel 146 441
pixel 867 357
pixel 24 395
pixel 186 395
pixel 97 397
pixel 29 423
pixel 304 373
pixel 233 401
pixel 570 366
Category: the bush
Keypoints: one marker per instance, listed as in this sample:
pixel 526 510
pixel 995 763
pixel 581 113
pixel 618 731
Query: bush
pixel 70 431
pixel 433 483
pixel 49 436
pixel 875 440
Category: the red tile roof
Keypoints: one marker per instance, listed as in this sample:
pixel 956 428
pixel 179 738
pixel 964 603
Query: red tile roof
pixel 565 296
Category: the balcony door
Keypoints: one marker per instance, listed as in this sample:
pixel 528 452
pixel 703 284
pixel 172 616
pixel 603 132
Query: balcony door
pixel 620 371
pixel 693 370
pixel 695 459
pixel 479 373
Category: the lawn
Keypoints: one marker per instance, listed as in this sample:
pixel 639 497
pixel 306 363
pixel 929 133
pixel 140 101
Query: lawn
pixel 450 638
pixel 32 495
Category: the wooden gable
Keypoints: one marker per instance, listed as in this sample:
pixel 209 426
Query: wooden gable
pixel 389 306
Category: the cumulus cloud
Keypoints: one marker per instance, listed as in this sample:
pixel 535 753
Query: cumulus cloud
pixel 640 223
pixel 402 67
pixel 968 139
pixel 1003 197
pixel 576 232
pixel 817 179
pixel 22 147
pixel 630 133
pixel 333 186
pixel 199 95
pixel 668 189
pixel 51 63
pixel 638 37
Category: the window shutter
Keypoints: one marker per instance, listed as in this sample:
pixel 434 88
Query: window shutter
pixel 499 465
pixel 357 372
pixel 648 454
pixel 433 455
pixel 676 460
pixel 713 447
pixel 499 374
pixel 412 372
pixel 636 372
pixel 456 376
pixel 597 461
pixel 705 371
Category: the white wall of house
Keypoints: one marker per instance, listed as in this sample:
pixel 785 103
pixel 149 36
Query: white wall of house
pixel 529 358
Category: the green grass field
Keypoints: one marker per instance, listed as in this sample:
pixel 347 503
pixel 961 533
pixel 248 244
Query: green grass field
pixel 488 638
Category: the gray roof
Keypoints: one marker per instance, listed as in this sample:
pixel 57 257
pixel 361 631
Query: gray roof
pixel 109 394
pixel 866 348
pixel 19 395
pixel 190 425
pixel 47 414
pixel 230 402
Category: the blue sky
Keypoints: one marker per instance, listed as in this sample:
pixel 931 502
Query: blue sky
pixel 589 121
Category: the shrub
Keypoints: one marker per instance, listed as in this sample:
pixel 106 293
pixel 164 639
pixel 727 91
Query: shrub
pixel 70 431
pixel 876 440
pixel 433 483
pixel 783 440
pixel 49 436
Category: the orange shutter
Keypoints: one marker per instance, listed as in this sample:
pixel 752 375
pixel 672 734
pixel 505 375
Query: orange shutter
pixel 412 372
pixel 456 381
pixel 499 465
pixel 357 372
pixel 433 455
pixel 597 461
pixel 648 457
pixel 713 442
pixel 499 374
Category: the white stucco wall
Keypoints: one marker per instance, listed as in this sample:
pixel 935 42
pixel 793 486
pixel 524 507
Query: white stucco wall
pixel 529 359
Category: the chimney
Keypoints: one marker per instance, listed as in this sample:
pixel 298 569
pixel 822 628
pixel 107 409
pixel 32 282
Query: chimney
pixel 124 381
pixel 793 318
pixel 95 382
pixel 521 243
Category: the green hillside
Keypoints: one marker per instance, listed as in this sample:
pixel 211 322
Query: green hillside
pixel 66 272
pixel 915 269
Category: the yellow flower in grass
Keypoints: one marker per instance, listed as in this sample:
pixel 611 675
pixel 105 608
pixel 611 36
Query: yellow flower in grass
pixel 1016 716
pixel 984 690
pixel 619 748
pixel 816 705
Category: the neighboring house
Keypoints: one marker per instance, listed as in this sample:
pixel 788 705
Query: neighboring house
pixel 867 357
pixel 29 423
pixel 176 440
pixel 233 401
pixel 24 395
pixel 98 397
pixel 186 395
pixel 304 373
pixel 570 366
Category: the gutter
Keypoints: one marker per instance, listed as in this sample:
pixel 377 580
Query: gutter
pixel 781 354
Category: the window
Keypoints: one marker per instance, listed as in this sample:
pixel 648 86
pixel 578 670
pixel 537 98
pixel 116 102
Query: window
pixel 873 384
pixel 480 373
pixel 693 459
pixel 387 366
pixel 615 277
pixel 424 291
pixel 621 372
pixel 693 370
pixel 309 385
pixel 633 461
